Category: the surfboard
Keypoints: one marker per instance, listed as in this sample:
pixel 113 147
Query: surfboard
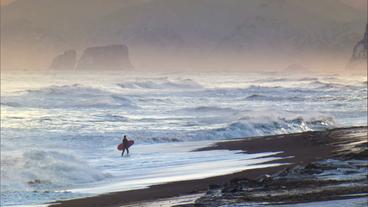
pixel 121 146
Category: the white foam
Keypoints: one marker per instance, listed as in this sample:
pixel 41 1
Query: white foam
pixel 66 97
pixel 169 162
pixel 162 83
pixel 44 170
pixel 75 121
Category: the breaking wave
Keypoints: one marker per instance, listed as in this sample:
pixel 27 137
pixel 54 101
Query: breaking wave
pixel 261 126
pixel 249 126
pixel 44 170
pixel 283 80
pixel 331 86
pixel 207 109
pixel 258 91
pixel 162 84
pixel 67 96
pixel 259 97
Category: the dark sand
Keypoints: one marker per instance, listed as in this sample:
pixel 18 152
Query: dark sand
pixel 298 149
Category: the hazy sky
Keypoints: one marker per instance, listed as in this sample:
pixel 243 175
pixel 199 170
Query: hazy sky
pixel 4 2
pixel 188 33
pixel 355 3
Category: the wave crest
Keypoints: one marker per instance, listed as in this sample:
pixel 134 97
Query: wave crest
pixel 251 126
pixel 259 97
pixel 206 110
pixel 45 170
pixel 67 96
pixel 162 84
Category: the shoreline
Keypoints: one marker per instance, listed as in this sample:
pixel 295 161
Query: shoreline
pixel 297 149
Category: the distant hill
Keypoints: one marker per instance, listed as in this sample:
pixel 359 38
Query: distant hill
pixel 185 33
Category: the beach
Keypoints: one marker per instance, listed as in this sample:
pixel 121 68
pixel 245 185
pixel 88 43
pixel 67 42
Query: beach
pixel 298 149
pixel 60 132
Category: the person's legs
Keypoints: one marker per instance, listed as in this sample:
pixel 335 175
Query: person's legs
pixel 122 153
pixel 127 150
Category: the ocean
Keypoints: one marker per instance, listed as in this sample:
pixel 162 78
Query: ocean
pixel 59 131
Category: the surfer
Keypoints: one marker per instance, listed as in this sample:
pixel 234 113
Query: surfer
pixel 125 145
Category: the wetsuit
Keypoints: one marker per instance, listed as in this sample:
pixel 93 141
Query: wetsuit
pixel 125 143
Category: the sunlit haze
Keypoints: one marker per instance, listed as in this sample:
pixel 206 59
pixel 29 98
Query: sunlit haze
pixel 177 35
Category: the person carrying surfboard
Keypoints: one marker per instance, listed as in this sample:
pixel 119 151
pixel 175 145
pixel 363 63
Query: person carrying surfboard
pixel 125 145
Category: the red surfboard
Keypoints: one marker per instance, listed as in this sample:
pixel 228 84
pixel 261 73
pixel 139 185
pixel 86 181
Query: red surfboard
pixel 122 146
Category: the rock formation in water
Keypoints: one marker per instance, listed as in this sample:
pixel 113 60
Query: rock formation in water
pixel 111 57
pixel 65 61
pixel 361 48
pixel 360 51
pixel 197 34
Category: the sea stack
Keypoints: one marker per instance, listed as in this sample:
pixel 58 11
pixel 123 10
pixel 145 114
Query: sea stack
pixel 65 61
pixel 360 51
pixel 111 57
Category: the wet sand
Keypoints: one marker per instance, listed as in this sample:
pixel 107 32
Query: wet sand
pixel 298 149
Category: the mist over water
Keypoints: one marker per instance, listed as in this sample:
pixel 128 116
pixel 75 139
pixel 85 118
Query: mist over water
pixel 59 131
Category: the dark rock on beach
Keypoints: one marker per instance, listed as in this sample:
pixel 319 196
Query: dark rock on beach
pixel 343 175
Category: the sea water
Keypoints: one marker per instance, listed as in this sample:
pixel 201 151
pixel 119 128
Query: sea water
pixel 59 131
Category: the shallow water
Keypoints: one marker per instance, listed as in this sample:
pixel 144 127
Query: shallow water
pixel 59 131
pixel 147 164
